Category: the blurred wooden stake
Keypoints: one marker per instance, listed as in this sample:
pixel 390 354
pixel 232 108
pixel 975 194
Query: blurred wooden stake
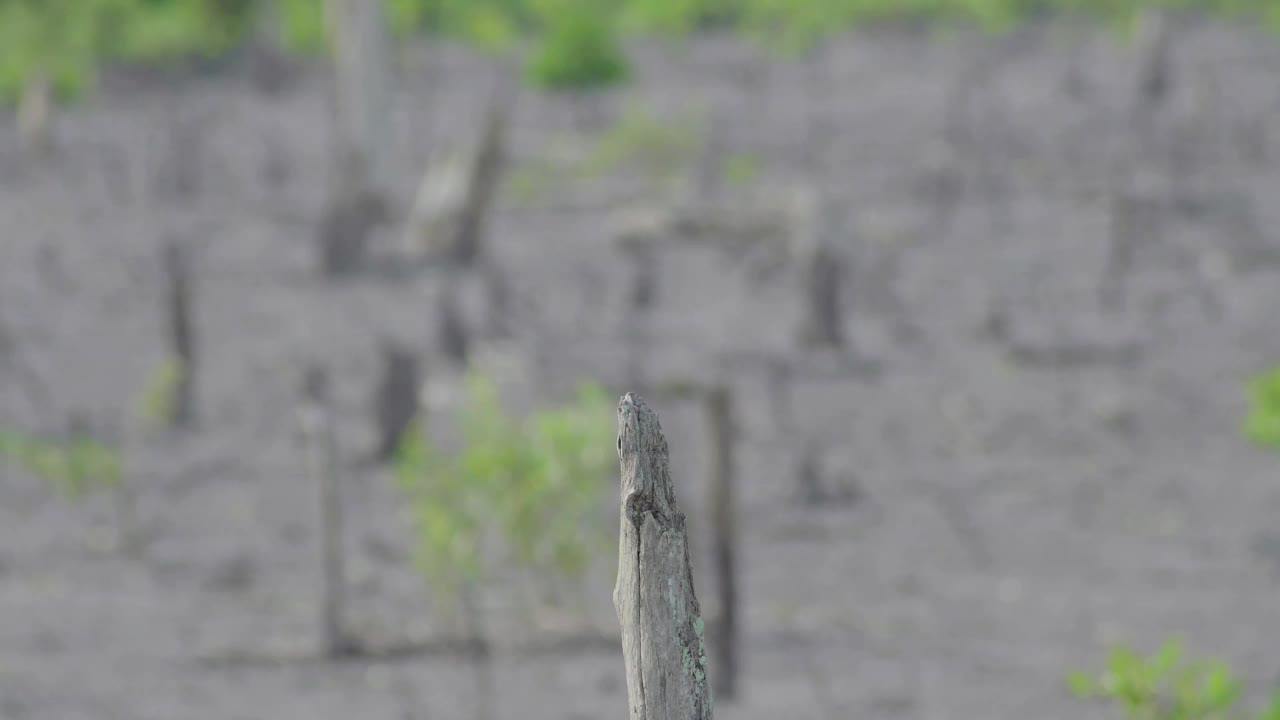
pixel 182 343
pixel 719 410
pixel 315 419
pixel 396 399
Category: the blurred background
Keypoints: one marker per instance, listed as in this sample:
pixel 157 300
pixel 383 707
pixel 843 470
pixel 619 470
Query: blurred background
pixel 314 315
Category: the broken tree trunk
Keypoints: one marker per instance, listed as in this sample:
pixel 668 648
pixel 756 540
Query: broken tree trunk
pixel 315 418
pixel 719 408
pixel 662 627
pixel 450 208
pixel 177 267
pixel 485 173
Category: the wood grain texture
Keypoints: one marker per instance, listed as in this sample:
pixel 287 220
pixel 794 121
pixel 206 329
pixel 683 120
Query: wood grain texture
pixel 662 627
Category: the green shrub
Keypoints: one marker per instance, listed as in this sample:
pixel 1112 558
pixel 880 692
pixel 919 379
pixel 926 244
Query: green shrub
pixel 58 37
pixel 533 486
pixel 742 168
pixel 580 50
pixel 74 466
pixel 157 30
pixel 638 142
pixel 1167 687
pixel 1262 421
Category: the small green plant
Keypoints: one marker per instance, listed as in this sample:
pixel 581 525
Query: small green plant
pixel 742 168
pixel 159 401
pixel 74 466
pixel 1165 686
pixel 1262 422
pixel 580 49
pixel 532 486
pixel 638 142
pixel 642 142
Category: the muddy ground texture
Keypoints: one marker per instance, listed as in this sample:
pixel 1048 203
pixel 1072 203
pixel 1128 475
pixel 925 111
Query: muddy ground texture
pixel 1025 477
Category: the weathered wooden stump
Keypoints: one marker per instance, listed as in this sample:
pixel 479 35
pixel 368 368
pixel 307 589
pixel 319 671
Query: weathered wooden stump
pixel 662 627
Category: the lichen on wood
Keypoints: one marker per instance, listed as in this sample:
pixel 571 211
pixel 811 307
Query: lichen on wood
pixel 662 627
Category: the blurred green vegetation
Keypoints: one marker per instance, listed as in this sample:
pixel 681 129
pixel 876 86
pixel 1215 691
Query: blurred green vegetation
pixel 639 141
pixel 575 44
pixel 74 465
pixel 1167 686
pixel 534 487
pixel 158 406
pixel 1262 421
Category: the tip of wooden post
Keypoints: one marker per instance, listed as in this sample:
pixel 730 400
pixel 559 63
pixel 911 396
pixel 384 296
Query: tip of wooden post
pixel 630 398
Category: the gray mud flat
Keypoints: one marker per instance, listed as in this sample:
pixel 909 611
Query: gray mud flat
pixel 1027 491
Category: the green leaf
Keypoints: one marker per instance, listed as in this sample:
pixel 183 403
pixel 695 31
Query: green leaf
pixel 1262 422
pixel 1082 684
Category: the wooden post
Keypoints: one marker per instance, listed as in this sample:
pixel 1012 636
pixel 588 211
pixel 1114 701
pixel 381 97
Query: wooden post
pixel 823 323
pixel 316 422
pixel 719 406
pixel 662 627
pixel 451 333
pixel 181 334
pixel 396 400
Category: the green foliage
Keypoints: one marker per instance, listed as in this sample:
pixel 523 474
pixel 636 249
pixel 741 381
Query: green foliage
pixel 1165 686
pixel 151 30
pixel 302 28
pixel 643 142
pixel 57 37
pixel 159 404
pixel 679 18
pixel 74 466
pixel 639 142
pixel 581 50
pixel 535 486
pixel 579 40
pixel 741 168
pixel 1262 422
